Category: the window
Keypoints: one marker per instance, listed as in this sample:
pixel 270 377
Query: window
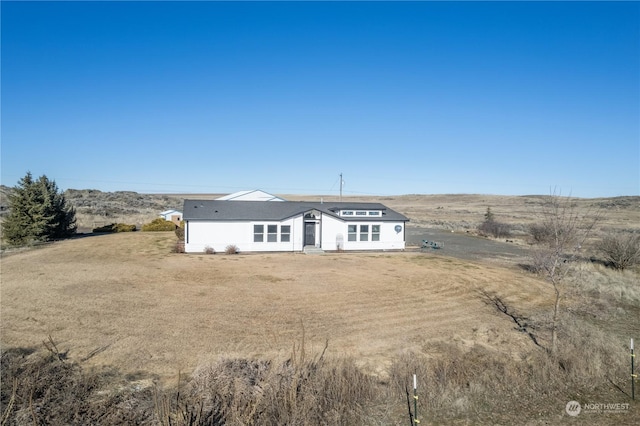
pixel 272 233
pixel 374 213
pixel 375 232
pixel 258 233
pixel 285 233
pixel 364 232
pixel 347 213
pixel 353 233
pixel 361 213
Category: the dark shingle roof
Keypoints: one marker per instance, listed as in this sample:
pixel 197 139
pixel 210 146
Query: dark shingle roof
pixel 229 210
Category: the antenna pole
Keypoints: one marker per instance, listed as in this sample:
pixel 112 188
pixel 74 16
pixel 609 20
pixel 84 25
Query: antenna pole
pixel 340 186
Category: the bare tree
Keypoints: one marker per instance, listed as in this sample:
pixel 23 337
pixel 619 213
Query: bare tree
pixel 559 236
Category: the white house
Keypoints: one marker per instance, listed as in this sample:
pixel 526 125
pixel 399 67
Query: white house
pixel 291 226
pixel 172 216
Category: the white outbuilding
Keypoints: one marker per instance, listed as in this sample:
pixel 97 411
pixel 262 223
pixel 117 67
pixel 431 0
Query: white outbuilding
pixel 174 216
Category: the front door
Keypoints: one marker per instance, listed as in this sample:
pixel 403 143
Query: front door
pixel 309 233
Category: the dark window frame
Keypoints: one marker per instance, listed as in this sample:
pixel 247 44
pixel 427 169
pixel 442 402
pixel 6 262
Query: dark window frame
pixel 258 233
pixel 285 235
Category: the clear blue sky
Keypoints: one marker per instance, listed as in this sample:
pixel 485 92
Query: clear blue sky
pixel 412 97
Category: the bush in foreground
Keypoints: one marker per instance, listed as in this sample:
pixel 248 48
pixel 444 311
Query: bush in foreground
pixel 40 387
pixel 456 385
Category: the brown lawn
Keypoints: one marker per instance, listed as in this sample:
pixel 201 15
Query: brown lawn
pixel 126 300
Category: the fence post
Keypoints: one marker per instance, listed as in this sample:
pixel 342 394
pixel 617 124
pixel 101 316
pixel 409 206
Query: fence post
pixel 415 400
pixel 633 375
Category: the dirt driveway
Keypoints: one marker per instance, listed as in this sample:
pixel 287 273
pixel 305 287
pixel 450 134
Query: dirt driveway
pixel 467 247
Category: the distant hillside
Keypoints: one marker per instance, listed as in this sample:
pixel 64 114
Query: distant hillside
pixel 93 201
pixel 459 212
pixel 119 203
pixel 96 208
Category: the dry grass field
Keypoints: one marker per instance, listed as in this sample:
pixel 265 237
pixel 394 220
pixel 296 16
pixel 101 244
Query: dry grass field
pixel 127 302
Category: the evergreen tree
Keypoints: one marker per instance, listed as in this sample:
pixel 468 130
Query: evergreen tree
pixel 489 216
pixel 492 227
pixel 39 212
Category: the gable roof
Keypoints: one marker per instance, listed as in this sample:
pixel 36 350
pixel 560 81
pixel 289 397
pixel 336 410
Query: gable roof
pixel 166 212
pixel 253 210
pixel 254 195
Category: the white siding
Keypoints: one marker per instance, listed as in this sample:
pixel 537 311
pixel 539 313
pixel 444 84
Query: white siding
pixel 218 235
pixel 332 228
pixel 392 240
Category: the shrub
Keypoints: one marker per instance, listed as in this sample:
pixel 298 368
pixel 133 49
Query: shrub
pixel 492 227
pixel 159 224
pixel 209 250
pixel 104 229
pixel 475 385
pixel 180 231
pixel 115 227
pixel 40 387
pixel 621 251
pixel 179 247
pixel 294 392
pixel 540 234
pixel 123 227
pixel 231 249
pixel 495 229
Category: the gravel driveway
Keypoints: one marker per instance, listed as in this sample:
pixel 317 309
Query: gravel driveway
pixel 465 246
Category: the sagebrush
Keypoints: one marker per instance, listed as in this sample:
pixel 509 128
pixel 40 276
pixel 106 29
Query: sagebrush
pixel 160 225
pixel 622 250
pixel 232 249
